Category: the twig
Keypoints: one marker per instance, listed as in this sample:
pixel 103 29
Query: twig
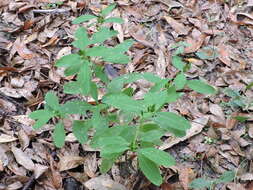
pixel 51 11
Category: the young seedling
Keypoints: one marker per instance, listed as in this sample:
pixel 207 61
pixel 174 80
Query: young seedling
pixel 134 125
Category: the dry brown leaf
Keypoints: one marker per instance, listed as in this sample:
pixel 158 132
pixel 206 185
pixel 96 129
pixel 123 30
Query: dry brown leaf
pixel 70 162
pixel 39 170
pixel 6 138
pixel 224 55
pixel 177 26
pixel 90 165
pixel 250 131
pixel 234 186
pixel 161 64
pixel 103 182
pixel 217 110
pixel 22 158
pixel 23 139
pixel 184 177
pixel 22 50
pixel 194 44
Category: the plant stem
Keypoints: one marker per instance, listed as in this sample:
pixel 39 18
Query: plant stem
pixel 137 135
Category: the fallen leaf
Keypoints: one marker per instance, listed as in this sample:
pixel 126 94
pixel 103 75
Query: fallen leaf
pixel 103 182
pixel 194 44
pixel 178 27
pixel 224 55
pixel 22 158
pixel 70 162
pixel 6 138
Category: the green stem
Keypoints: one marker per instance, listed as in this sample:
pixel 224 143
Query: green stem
pixel 137 135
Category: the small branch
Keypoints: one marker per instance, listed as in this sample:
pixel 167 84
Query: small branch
pixel 51 11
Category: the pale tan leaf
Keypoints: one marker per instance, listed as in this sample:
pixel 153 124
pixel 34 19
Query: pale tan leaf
pixel 103 182
pixel 6 138
pixel 22 158
pixel 69 162
pixel 177 26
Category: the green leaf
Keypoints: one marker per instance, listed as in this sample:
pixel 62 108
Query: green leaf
pixel 84 78
pixel 74 69
pixel 200 183
pixel 110 150
pixel 80 129
pixel 76 107
pixel 83 18
pixel 180 81
pixel 124 46
pixel 114 140
pixel 172 122
pixel 226 177
pixel 149 127
pixel 172 94
pixel 52 101
pixel 113 57
pixel 82 39
pixel 69 60
pixel 72 88
pixel 106 164
pixel 241 118
pixel 59 135
pixel 108 9
pixel 158 156
pixel 156 98
pixel 42 117
pixel 178 63
pixel 94 91
pixel 200 86
pixel 102 35
pixel 150 170
pixel 123 102
pixel 99 122
pixel 151 136
pixel 117 83
pixel 98 70
pixel 208 53
pixel 114 20
pixel 97 51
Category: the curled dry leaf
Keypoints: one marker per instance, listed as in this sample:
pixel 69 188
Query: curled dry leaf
pixel 103 182
pixel 22 158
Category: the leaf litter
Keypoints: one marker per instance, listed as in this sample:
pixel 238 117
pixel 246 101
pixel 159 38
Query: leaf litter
pixel 34 35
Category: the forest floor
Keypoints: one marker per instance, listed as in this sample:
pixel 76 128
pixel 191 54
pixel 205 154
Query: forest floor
pixel 220 51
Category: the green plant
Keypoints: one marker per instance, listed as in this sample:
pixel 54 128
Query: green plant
pixel 237 100
pixel 201 183
pixel 120 123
